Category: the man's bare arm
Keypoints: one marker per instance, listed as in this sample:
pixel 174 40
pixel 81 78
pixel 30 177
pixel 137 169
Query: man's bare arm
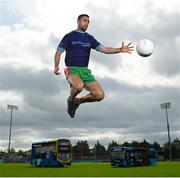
pixel 123 49
pixel 57 62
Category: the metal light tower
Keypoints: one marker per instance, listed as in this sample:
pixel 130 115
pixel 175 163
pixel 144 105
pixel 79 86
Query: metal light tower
pixel 11 107
pixel 167 106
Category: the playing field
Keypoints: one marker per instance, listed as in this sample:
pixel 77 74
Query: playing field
pixel 164 169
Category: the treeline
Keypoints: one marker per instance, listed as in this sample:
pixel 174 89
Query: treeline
pixel 82 150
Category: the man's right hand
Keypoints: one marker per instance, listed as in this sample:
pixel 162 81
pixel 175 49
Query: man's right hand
pixel 57 71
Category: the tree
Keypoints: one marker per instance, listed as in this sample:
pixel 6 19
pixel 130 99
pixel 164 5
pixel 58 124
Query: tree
pixel 81 149
pixel 126 144
pixel 12 150
pixel 145 144
pixel 135 144
pixel 175 146
pixel 157 146
pixel 22 153
pixel 176 140
pixel 99 150
pixel 112 144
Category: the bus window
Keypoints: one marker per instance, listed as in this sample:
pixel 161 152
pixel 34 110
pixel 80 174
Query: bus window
pixel 118 155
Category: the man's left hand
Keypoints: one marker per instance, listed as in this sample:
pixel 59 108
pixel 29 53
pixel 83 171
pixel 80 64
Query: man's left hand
pixel 126 48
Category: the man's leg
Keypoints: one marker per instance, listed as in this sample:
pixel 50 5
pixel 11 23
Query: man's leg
pixel 76 86
pixel 96 93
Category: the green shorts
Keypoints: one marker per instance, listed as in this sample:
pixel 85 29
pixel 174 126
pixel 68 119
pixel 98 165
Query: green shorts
pixel 84 73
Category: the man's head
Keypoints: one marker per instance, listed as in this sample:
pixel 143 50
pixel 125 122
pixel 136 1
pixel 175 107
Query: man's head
pixel 83 22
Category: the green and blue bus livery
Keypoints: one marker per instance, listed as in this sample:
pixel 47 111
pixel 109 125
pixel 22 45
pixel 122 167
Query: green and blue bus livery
pixel 132 156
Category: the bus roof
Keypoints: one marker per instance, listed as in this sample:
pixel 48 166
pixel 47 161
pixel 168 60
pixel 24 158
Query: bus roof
pixel 117 148
pixel 50 141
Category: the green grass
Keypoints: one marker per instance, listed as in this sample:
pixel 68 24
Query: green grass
pixel 162 169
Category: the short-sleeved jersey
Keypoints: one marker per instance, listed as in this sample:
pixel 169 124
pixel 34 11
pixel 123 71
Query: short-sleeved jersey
pixel 78 46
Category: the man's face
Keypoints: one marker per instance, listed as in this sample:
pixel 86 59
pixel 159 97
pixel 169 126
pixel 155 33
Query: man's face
pixel 83 23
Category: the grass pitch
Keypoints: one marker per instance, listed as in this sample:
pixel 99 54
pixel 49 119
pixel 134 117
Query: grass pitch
pixel 162 169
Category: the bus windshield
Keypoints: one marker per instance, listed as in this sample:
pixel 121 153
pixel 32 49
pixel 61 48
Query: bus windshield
pixel 64 156
pixel 64 149
pixel 117 155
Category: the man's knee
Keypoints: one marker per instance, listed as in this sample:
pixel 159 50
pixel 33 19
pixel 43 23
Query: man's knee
pixel 78 87
pixel 100 95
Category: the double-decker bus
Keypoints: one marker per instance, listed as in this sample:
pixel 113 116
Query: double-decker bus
pixel 132 156
pixel 51 153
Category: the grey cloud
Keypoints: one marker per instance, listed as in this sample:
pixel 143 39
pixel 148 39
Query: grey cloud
pixel 41 90
pixel 158 25
pixel 42 81
pixel 129 107
pixel 167 61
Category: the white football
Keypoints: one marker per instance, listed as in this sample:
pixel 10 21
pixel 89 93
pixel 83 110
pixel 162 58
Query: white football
pixel 145 47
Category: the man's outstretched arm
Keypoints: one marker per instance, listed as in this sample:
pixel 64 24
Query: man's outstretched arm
pixel 123 49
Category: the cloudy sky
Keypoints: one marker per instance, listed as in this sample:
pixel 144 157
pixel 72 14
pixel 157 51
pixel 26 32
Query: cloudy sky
pixel 30 31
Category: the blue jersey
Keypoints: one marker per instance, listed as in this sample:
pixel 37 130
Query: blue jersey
pixel 78 46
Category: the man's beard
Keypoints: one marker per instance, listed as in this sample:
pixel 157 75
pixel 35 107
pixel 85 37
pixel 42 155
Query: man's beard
pixel 83 29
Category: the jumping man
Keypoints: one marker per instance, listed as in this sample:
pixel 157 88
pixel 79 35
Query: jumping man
pixel 77 45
